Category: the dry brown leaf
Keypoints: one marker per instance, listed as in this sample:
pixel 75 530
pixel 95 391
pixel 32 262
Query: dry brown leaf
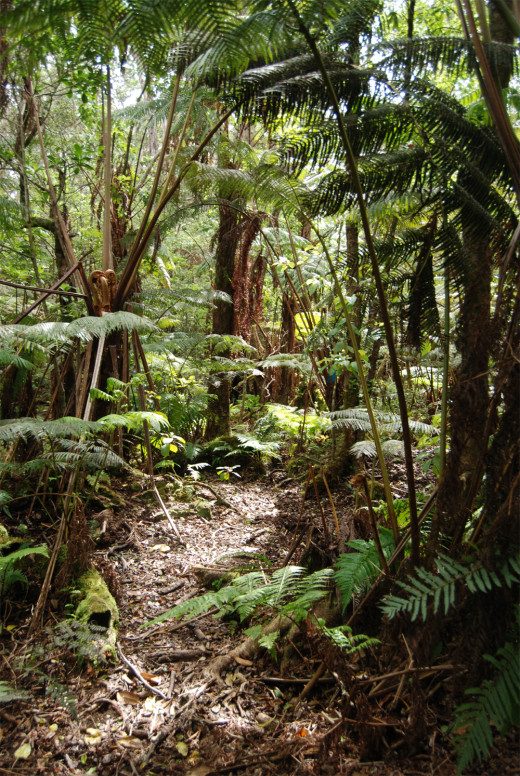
pixel 199 770
pixel 150 678
pixel 125 696
pixel 243 662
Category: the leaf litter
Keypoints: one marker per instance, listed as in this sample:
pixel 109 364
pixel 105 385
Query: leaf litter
pixel 160 709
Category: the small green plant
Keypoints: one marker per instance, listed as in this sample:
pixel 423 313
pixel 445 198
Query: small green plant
pixel 356 571
pixel 9 574
pixel 225 472
pixel 9 693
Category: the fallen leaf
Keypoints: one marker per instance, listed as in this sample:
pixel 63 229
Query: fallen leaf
pixel 199 770
pixel 150 678
pixel 53 728
pixel 161 548
pixel 243 662
pixel 130 742
pixel 125 696
pixel 93 737
pixel 182 748
pixel 23 752
pixel 301 733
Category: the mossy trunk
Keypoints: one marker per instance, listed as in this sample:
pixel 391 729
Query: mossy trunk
pixel 98 612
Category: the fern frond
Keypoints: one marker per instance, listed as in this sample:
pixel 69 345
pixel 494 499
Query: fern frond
pixel 496 701
pixel 252 591
pixel 430 587
pixel 355 571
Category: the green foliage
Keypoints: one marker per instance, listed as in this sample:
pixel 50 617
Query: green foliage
pixel 344 639
pixel 357 419
pixel 496 702
pixel 355 571
pixel 9 574
pixel 9 693
pixel 250 592
pixel 441 587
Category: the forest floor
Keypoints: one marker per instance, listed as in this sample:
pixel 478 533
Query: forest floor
pixel 245 720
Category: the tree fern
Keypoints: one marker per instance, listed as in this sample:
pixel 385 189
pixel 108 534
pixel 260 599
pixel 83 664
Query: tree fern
pixel 429 587
pixel 496 702
pixel 388 423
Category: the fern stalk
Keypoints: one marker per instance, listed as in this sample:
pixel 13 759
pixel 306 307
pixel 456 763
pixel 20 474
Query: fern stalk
pixel 445 366
pixel 354 172
pixel 107 260
pixel 366 393
pixel 134 262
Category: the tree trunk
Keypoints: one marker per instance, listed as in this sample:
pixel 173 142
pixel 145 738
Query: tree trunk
pixel 470 429
pixel 223 315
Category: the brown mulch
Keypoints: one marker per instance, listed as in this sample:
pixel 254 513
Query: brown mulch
pixel 251 721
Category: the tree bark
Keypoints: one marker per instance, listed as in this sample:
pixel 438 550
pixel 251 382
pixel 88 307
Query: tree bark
pixel 218 423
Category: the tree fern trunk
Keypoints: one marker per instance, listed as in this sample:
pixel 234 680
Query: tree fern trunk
pixel 223 314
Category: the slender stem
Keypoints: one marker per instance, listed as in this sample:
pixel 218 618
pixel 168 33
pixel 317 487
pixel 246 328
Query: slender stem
pixel 366 395
pixel 108 259
pixel 354 172
pixel 446 366
pixel 178 148
pixel 134 261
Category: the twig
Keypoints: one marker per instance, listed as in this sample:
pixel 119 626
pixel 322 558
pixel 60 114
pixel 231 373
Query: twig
pixel 331 501
pixel 323 521
pixel 167 514
pixel 139 676
pixel 219 498
pixel 310 684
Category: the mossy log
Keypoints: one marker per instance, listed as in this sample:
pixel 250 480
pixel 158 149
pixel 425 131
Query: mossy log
pixel 98 612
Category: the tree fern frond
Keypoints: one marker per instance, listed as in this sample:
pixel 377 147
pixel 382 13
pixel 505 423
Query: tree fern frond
pixel 8 357
pixel 496 701
pixel 357 418
pixel 429 587
pixel 355 571
pixel 249 592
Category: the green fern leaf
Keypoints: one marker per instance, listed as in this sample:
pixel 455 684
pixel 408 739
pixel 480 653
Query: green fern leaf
pixel 495 702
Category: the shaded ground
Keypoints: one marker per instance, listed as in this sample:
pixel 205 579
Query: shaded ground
pixel 250 721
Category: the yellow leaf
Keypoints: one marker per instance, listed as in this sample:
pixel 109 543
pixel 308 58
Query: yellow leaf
pixel 93 737
pixel 182 748
pixel 161 548
pixel 23 752
pixel 53 727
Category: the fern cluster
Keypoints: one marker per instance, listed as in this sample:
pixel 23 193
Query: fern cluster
pixel 9 574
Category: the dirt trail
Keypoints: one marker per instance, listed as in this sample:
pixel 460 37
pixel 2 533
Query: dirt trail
pixel 181 720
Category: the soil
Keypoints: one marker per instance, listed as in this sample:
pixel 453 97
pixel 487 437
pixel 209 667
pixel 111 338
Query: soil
pixel 159 707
